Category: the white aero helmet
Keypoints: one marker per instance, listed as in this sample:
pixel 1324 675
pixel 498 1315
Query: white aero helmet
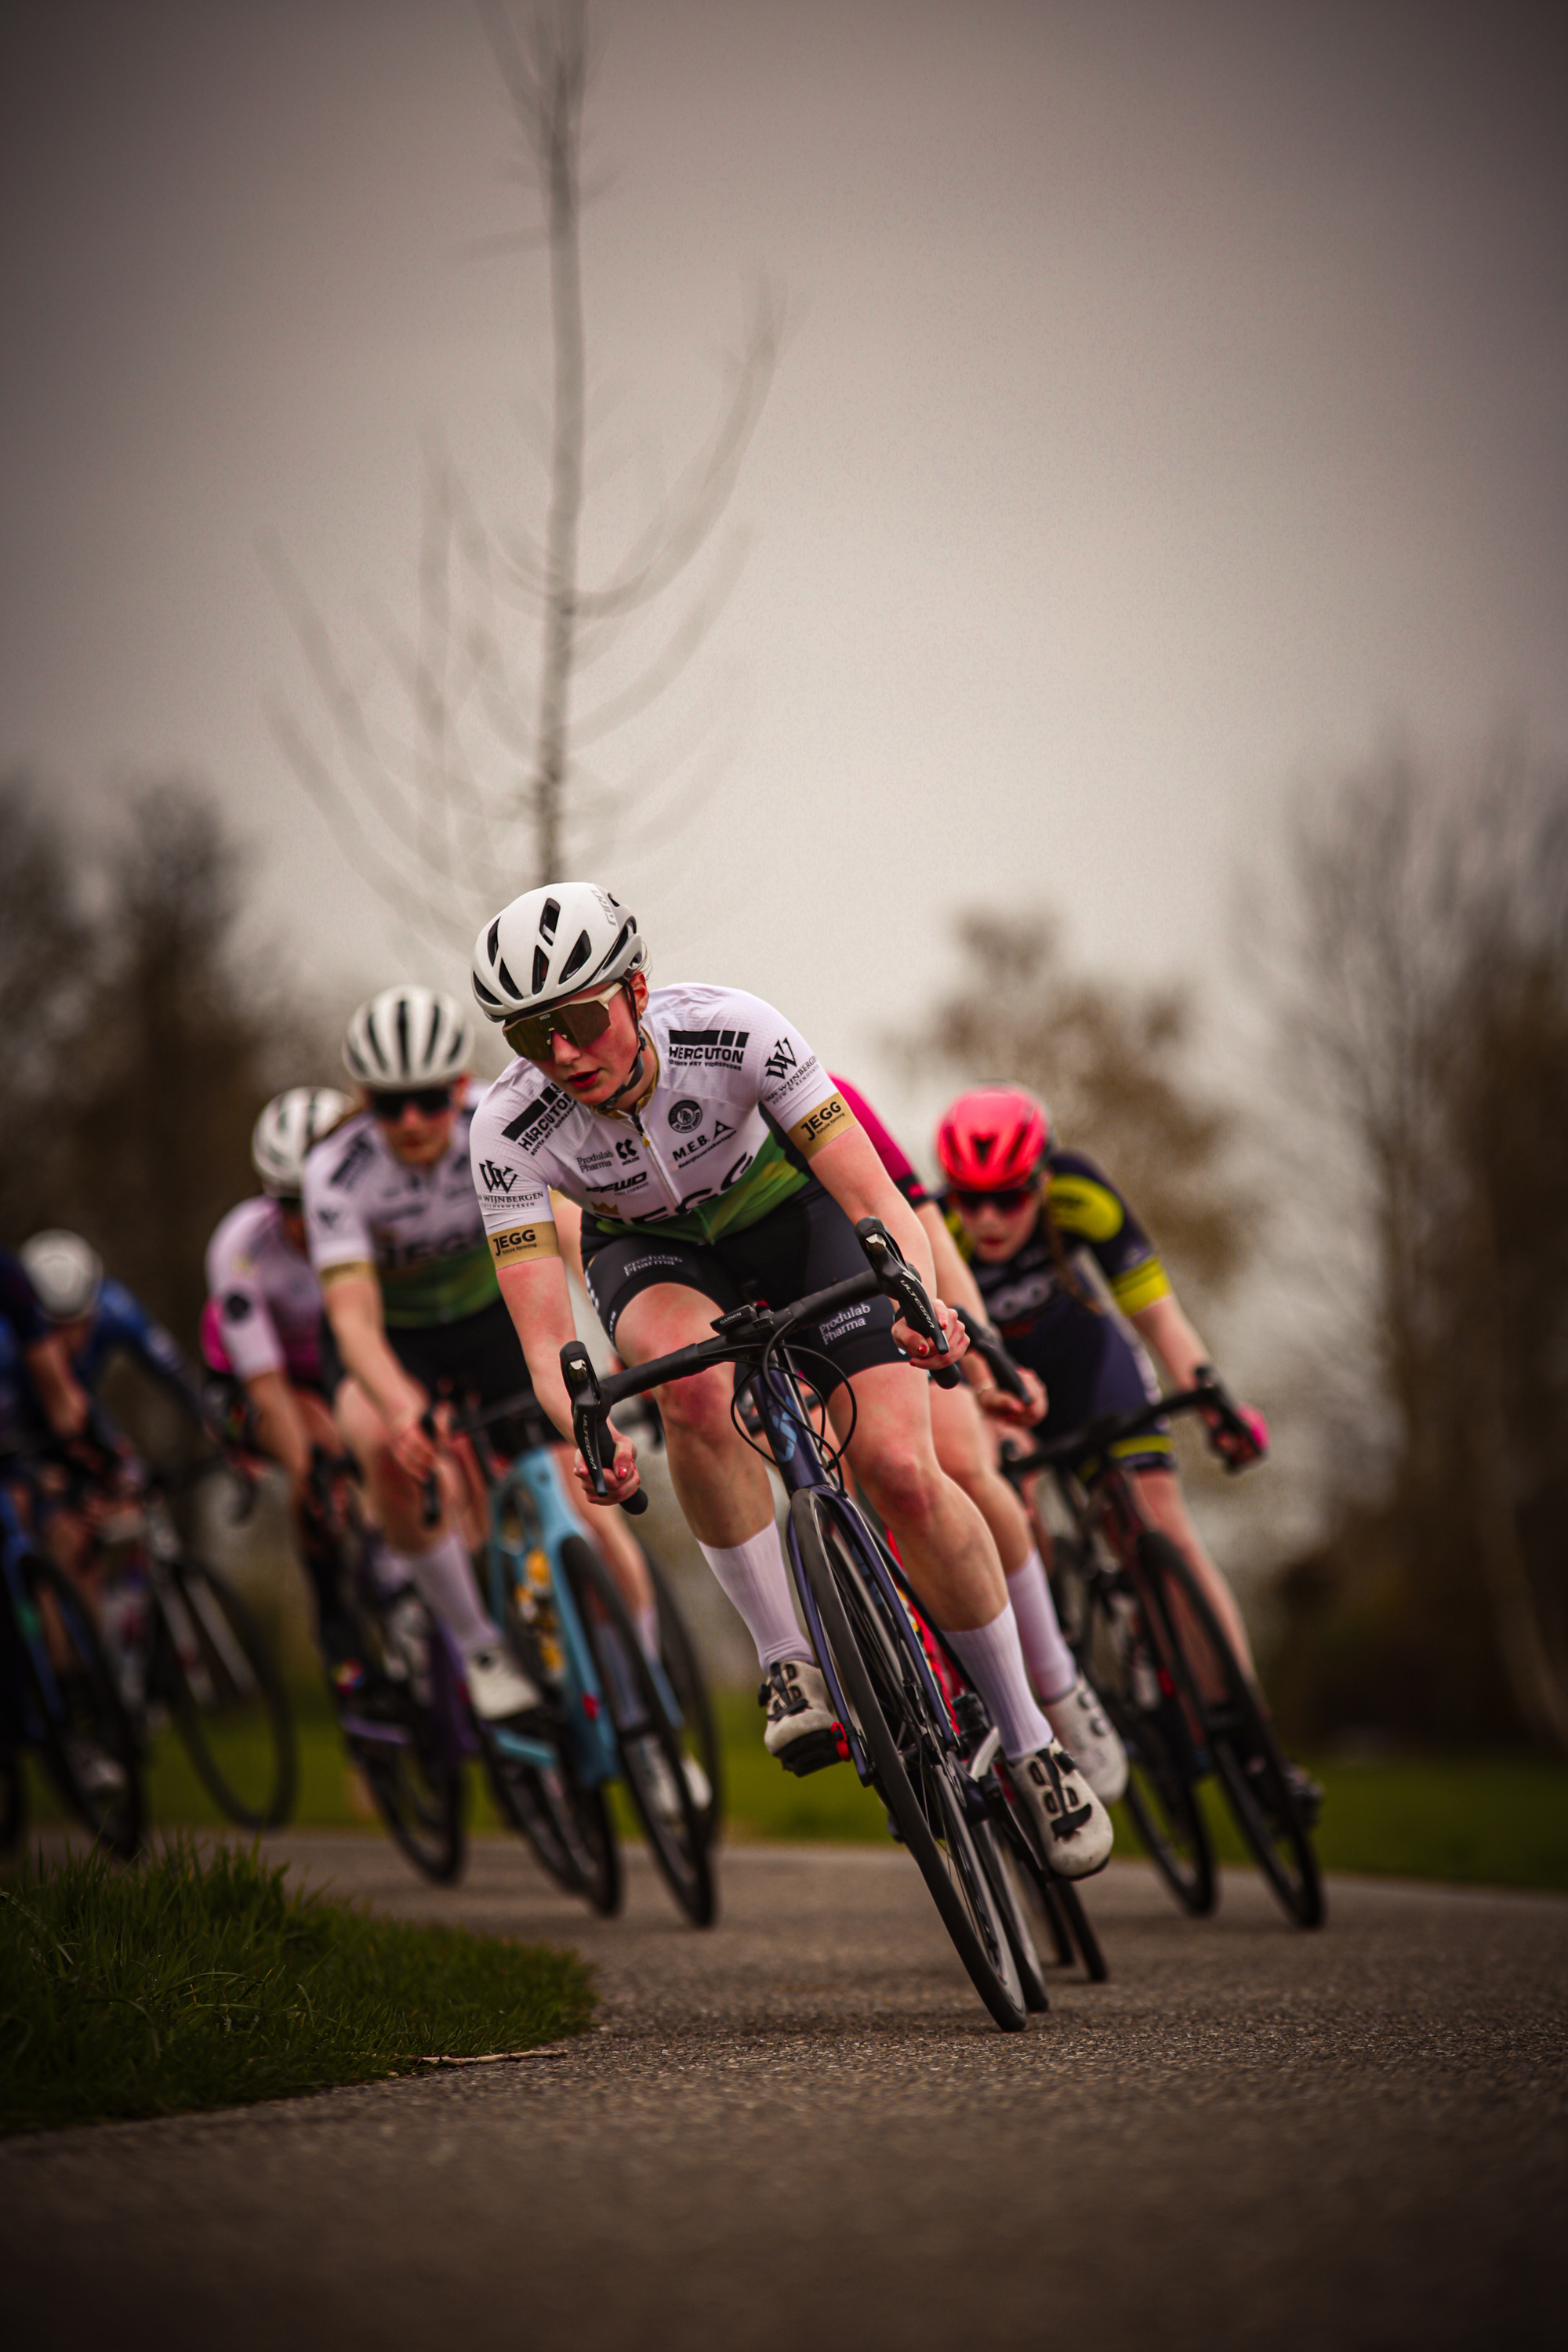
pixel 285 1133
pixel 407 1037
pixel 551 943
pixel 65 1272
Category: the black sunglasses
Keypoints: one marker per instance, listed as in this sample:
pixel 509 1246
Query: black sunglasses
pixel 1010 1197
pixel 429 1101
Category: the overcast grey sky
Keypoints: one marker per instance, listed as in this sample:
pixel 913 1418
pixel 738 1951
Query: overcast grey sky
pixel 1174 410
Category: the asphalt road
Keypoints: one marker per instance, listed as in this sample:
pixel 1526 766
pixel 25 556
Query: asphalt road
pixel 800 2128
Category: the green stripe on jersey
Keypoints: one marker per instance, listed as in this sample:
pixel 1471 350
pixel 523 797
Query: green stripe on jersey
pixel 769 1180
pixel 440 1290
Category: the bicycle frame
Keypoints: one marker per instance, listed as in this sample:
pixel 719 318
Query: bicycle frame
pixel 749 1337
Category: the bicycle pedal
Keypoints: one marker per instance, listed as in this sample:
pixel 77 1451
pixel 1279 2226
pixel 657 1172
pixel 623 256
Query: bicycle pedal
pixel 815 1751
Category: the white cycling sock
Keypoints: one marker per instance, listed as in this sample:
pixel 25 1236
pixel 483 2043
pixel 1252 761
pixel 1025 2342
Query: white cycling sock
pixel 445 1581
pixel 1052 1666
pixel 646 1623
pixel 753 1575
pixel 992 1658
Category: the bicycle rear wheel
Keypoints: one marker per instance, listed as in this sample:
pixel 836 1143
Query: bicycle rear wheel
pixel 653 1759
pixel 1238 1733
pixel 1121 1661
pixel 876 1656
pixel 683 1671
pixel 565 1824
pixel 417 1782
pixel 89 1745
pixel 1061 1906
pixel 226 1692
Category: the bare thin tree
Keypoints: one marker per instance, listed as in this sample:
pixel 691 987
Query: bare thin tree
pixel 1432 1012
pixel 488 771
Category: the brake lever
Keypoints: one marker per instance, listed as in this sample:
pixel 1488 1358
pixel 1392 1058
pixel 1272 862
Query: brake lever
pixel 903 1286
pixel 430 1486
pixel 987 1346
pixel 590 1419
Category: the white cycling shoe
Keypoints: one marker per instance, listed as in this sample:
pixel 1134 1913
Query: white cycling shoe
pixel 1072 1828
pixel 663 1792
pixel 1079 1721
pixel 801 1730
pixel 498 1688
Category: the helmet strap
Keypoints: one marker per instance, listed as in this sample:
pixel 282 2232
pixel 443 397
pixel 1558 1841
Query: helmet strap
pixel 633 1083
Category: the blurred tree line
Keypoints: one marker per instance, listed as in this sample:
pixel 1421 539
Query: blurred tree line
pixel 1114 1066
pixel 1428 1030
pixel 139 1045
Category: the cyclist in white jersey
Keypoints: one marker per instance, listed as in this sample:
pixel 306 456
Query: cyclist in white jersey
pixel 395 1239
pixel 261 1331
pixel 713 1159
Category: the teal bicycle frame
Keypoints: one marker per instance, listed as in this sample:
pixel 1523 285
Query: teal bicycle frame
pixel 530 1518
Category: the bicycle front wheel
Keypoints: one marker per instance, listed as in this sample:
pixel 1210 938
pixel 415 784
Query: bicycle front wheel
pixel 226 1692
pixel 1121 1659
pixel 89 1746
pixel 653 1759
pixel 683 1671
pixel 1238 1734
pixel 876 1658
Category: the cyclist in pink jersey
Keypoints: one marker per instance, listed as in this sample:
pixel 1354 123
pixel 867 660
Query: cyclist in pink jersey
pixel 261 1330
pixel 967 1452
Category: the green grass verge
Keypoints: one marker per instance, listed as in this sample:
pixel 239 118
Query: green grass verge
pixel 198 1980
pixel 1501 1822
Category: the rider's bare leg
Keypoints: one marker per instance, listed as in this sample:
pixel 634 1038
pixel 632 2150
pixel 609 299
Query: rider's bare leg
pixel 719 1480
pixel 1161 1499
pixel 436 1558
pixel 967 1447
pixel 943 1542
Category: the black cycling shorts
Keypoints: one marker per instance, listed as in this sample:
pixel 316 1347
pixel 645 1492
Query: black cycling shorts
pixel 806 1246
pixel 478 1360
pixel 1090 1368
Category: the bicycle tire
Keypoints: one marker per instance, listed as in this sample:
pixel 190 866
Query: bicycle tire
pixel 226 1695
pixel 12 1800
pixel 875 1661
pixel 1160 1797
pixel 995 1851
pixel 652 1758
pixel 1061 1906
pixel 94 1714
pixel 565 1824
pixel 683 1671
pixel 1239 1737
pixel 420 1791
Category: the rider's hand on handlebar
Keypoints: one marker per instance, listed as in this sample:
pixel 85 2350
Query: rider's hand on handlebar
pixel 921 1353
pixel 1018 1412
pixel 621 1477
pixel 412 1449
pixel 1235 1445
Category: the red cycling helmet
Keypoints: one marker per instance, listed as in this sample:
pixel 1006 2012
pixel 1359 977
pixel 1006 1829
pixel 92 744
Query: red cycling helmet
pixel 994 1138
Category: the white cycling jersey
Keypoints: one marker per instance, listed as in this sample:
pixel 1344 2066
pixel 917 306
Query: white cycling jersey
pixel 264 1303
pixel 739 1106
pixel 418 1227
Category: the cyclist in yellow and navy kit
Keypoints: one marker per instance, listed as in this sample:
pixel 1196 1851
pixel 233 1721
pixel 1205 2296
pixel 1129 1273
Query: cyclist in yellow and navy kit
pixel 1079 1292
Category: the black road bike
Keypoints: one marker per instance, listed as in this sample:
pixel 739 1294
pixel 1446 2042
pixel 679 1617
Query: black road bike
pixel 1147 1640
pixel 893 1723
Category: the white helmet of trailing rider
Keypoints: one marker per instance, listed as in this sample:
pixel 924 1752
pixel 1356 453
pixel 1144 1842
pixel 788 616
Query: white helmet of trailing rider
pixel 287 1128
pixel 65 1272
pixel 551 943
pixel 407 1037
